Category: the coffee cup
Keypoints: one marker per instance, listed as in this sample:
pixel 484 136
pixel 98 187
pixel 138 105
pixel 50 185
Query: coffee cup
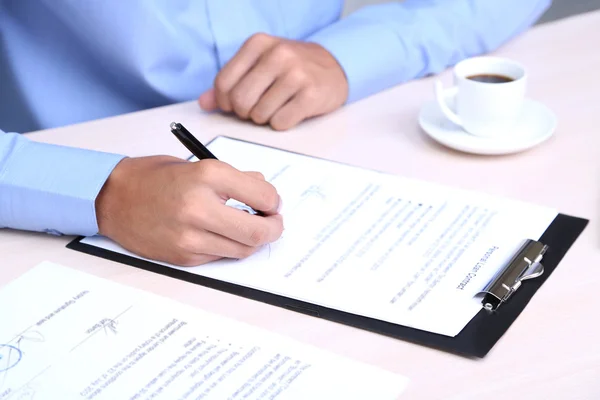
pixel 489 94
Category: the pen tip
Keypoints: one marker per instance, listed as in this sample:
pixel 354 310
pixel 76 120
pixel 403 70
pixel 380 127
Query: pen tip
pixel 173 125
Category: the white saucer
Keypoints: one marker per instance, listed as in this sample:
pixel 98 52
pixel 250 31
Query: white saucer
pixel 536 125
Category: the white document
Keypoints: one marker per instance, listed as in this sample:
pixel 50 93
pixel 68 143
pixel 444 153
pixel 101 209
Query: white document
pixel 68 335
pixel 374 244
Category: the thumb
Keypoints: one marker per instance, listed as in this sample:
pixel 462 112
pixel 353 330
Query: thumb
pixel 208 100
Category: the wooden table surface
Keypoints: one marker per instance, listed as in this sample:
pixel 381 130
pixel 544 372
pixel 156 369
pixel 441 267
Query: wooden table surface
pixel 552 351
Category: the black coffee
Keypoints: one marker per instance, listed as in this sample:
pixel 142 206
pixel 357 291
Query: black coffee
pixel 490 78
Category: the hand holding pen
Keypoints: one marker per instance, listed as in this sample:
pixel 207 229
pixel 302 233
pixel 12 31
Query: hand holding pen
pixel 167 209
pixel 200 152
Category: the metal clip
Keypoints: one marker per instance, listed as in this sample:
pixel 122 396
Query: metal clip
pixel 524 265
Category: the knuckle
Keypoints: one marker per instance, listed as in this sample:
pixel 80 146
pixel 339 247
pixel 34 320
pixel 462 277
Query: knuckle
pixel 210 170
pixel 178 258
pixel 184 212
pixel 187 243
pixel 240 102
pixel 187 260
pixel 270 198
pixel 297 77
pixel 279 229
pixel 311 95
pixel 221 84
pixel 194 207
pixel 258 38
pixel 183 261
pixel 259 116
pixel 200 215
pixel 280 122
pixel 258 236
pixel 244 252
pixel 284 52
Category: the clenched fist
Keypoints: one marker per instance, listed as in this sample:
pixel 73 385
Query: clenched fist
pixel 171 210
pixel 278 81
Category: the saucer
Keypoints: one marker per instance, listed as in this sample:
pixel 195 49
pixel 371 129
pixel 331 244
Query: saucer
pixel 536 124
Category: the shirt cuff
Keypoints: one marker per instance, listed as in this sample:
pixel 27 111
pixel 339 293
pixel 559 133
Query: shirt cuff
pixel 51 188
pixel 369 53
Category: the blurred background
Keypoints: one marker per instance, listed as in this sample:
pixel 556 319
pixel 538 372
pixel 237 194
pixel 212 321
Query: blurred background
pixel 559 9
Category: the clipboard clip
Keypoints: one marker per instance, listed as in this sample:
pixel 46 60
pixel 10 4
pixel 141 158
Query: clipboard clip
pixel 526 264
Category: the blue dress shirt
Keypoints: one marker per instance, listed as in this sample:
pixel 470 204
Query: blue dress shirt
pixel 69 61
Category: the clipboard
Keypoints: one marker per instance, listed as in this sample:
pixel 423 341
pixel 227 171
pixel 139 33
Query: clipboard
pixel 503 299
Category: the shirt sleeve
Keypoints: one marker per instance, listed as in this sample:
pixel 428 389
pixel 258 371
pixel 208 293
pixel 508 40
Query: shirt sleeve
pixel 232 22
pixel 50 188
pixel 384 45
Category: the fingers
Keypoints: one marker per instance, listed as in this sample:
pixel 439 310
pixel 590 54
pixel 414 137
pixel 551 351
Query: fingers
pixel 276 96
pixel 230 183
pixel 255 175
pixel 208 100
pixel 252 86
pixel 279 81
pixel 192 259
pixel 219 182
pixel 238 66
pixel 199 247
pixel 213 230
pixel 203 244
pixel 241 227
pixel 291 114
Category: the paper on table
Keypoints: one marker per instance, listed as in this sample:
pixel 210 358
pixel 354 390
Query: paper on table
pixel 373 244
pixel 68 335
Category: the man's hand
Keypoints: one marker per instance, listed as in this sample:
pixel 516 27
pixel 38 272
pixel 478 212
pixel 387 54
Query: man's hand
pixel 174 211
pixel 278 81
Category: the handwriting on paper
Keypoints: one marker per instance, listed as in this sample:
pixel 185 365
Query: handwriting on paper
pixel 10 356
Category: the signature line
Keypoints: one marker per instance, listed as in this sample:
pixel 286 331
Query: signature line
pixel 20 334
pixel 114 319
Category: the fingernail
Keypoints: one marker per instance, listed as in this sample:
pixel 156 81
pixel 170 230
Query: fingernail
pixel 280 206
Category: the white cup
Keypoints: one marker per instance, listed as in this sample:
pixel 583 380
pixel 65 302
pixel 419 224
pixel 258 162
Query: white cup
pixel 483 108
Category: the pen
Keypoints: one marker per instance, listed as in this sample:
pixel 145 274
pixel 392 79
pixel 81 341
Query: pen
pixel 200 151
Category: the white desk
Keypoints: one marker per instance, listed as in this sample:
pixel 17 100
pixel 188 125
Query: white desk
pixel 552 351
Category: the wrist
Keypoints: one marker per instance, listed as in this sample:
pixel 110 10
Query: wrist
pixel 341 79
pixel 107 198
pixel 129 185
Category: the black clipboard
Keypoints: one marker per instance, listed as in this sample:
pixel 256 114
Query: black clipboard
pixel 476 339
